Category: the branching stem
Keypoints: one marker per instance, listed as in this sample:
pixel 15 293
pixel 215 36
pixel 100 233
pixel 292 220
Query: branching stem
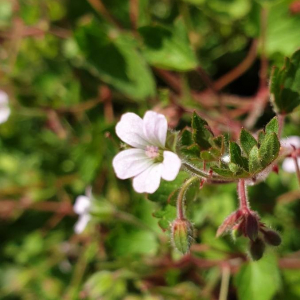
pixel 203 174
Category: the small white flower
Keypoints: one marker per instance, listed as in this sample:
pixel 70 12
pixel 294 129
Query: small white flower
pixel 148 161
pixel 82 208
pixel 4 108
pixel 288 164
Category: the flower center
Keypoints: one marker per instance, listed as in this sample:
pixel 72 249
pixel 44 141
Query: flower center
pixel 152 151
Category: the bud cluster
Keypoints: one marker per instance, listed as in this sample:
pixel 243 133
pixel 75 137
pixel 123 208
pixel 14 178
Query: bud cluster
pixel 245 222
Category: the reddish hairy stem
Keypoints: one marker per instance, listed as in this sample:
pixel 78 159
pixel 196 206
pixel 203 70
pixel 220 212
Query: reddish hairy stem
pixel 244 204
pixel 239 70
pixel 281 119
pixel 134 13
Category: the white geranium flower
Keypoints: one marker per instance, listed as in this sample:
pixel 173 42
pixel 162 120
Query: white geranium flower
pixel 148 161
pixel 4 108
pixel 288 164
pixel 82 207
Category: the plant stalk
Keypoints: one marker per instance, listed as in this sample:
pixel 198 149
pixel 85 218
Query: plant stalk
pixel 180 198
pixel 242 193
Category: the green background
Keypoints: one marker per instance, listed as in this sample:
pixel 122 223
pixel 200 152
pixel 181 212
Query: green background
pixel 71 69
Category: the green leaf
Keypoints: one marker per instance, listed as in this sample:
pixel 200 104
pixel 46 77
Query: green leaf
pixel 186 138
pixel 261 136
pixel 282 39
pixel 247 141
pixel 269 149
pixel 213 154
pixel 166 216
pixel 223 172
pixel 236 156
pixel 188 147
pixel 254 161
pixel 233 167
pixel 116 61
pixel 258 280
pixel 201 132
pixel 272 126
pixel 218 142
pixel 172 138
pixel 105 284
pixel 167 48
pixel 285 85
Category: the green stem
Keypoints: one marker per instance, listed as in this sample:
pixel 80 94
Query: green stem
pixel 78 273
pixel 210 178
pixel 180 198
pixel 224 283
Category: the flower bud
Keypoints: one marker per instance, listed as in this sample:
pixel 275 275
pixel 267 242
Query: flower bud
pixel 252 226
pixel 271 237
pixel 257 249
pixel 182 235
pixel 237 231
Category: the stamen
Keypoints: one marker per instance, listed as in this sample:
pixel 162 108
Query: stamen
pixel 152 151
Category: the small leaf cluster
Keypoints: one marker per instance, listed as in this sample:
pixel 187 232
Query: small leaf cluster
pixel 247 158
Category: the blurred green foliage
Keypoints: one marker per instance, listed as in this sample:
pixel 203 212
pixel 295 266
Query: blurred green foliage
pixel 71 68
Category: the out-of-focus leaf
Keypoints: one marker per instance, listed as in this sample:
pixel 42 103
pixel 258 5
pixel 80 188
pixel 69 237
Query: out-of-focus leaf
pixel 166 216
pixel 281 36
pixel 285 85
pixel 116 61
pixel 166 188
pixel 252 282
pixel 6 9
pixel 105 284
pixel 167 49
pixel 229 10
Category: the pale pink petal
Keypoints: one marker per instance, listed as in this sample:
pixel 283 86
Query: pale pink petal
pixel 291 140
pixel 82 204
pixel 149 180
pixel 289 166
pixel 155 128
pixel 4 113
pixel 131 162
pixel 3 98
pixel 171 166
pixel 130 131
pixel 81 223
